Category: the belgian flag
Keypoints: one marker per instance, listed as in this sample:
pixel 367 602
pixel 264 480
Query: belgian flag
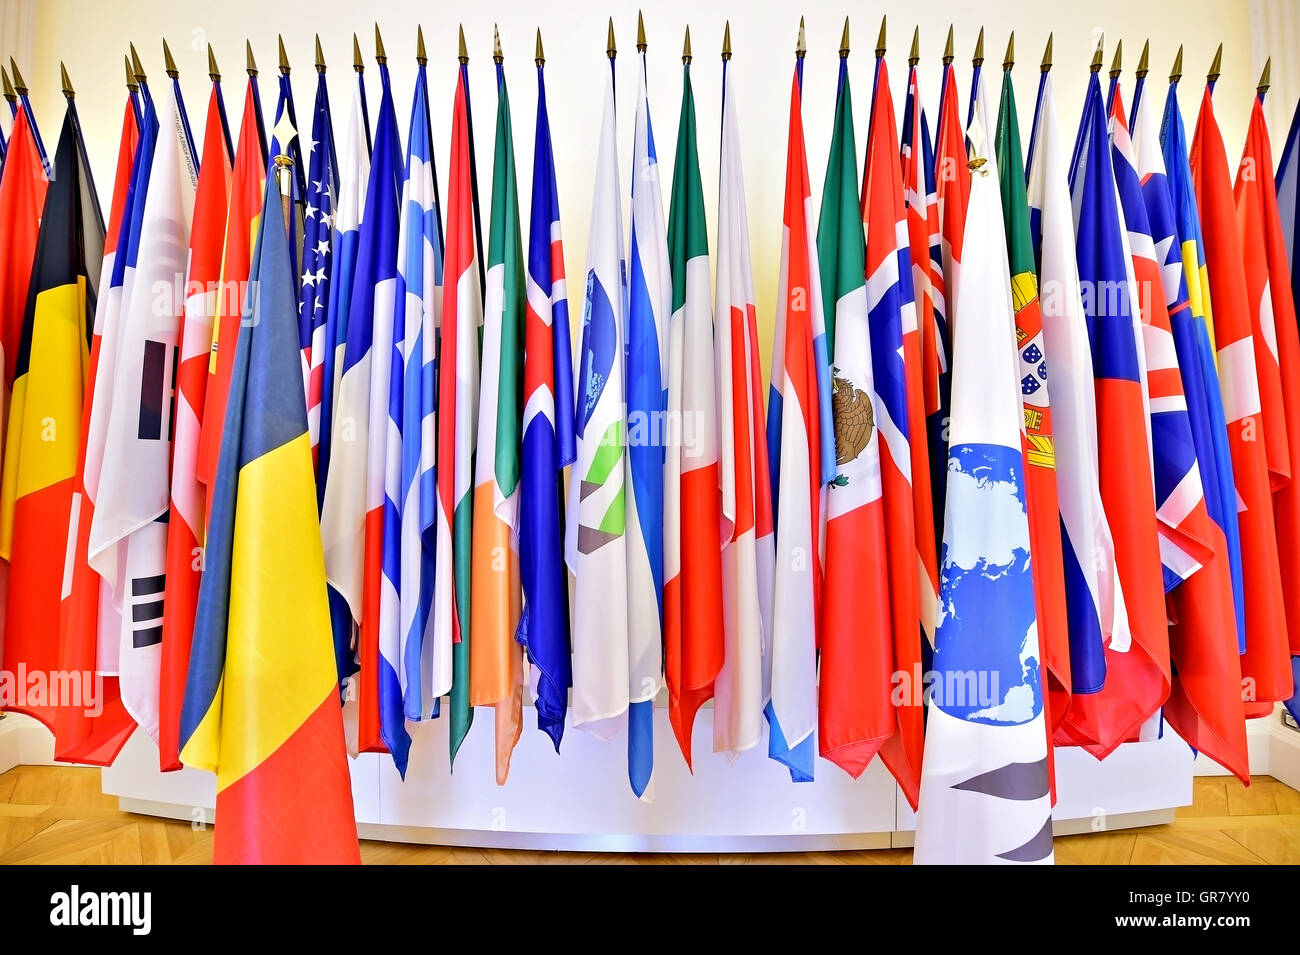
pixel 45 420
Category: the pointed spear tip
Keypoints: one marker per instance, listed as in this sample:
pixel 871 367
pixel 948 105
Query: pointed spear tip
pixel 136 66
pixel 1216 68
pixel 358 63
pixel 497 56
pixel 1265 78
pixel 880 39
pixel 1010 59
pixel 284 57
pixel 421 57
pixel 68 91
pixel 320 56
pixel 1116 63
pixel 540 56
pixel 686 46
pixel 640 32
pixel 380 55
pixel 131 84
pixel 1176 73
pixel 978 58
pixel 801 45
pixel 914 55
pixel 250 64
pixel 948 54
pixel 726 40
pixel 20 84
pixel 1098 54
pixel 844 40
pixel 214 73
pixel 1144 61
pixel 463 53
pixel 169 65
pixel 1046 64
pixel 611 50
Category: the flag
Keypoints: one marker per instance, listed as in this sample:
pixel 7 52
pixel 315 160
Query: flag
pixel 694 529
pixel 744 684
pixel 322 187
pixel 1094 600
pixel 1245 351
pixel 801 456
pixel 548 443
pixel 186 521
pixel 78 736
pixel 1042 496
pixel 984 784
pixel 354 177
pixel 649 306
pixel 285 141
pixel 496 659
pixel 44 426
pixel 458 392
pixel 854 712
pixel 261 709
pixel 353 507
pixel 1286 203
pixel 595 545
pixel 1137 666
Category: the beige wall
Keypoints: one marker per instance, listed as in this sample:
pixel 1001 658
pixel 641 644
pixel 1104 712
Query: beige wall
pixel 91 36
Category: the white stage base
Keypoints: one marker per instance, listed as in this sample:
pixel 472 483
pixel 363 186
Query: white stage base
pixel 581 800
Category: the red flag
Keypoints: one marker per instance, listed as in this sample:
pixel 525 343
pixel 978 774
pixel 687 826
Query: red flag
pixel 187 515
pixel 22 195
pixel 951 185
pixel 1242 350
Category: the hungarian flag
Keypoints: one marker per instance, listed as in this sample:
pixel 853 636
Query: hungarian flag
pixel 496 659
pixel 353 507
pixel 261 706
pixel 458 393
pixel 1094 601
pixel 744 684
pixel 1040 442
pixel 855 714
pixel 650 297
pixel 44 426
pixel 694 529
pixel 1242 348
pixel 78 736
pixel 984 787
pixel 187 519
pixel 548 442
pixel 1137 663
pixel 801 455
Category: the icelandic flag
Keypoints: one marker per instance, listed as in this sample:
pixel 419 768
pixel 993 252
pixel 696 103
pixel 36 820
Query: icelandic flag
pixel 1137 663
pixel 801 448
pixel 984 785
pixel 548 443
pixel 648 309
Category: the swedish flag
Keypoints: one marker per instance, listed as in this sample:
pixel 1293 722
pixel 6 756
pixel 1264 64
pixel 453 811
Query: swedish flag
pixel 261 706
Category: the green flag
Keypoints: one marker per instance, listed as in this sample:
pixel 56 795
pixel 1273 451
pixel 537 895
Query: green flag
pixel 841 247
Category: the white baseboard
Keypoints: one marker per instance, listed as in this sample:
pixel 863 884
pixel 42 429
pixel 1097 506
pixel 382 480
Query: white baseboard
pixel 24 742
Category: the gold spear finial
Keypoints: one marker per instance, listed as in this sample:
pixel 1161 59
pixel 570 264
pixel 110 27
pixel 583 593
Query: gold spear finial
pixel 640 33
pixel 358 63
pixel 68 91
pixel 880 40
pixel 611 50
pixel 801 45
pixel 1009 60
pixel 1046 64
pixel 686 47
pixel 726 41
pixel 169 65
pixel 131 84
pixel 1117 60
pixel 250 64
pixel 421 57
pixel 540 57
pixel 1144 61
pixel 20 84
pixel 380 55
pixel 497 56
pixel 914 57
pixel 1176 73
pixel 320 56
pixel 948 54
pixel 978 58
pixel 136 67
pixel 1265 78
pixel 214 74
pixel 1095 66
pixel 463 54
pixel 284 57
pixel 844 40
pixel 1216 68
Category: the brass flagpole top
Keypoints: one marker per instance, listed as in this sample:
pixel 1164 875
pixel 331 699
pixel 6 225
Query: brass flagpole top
pixel 1176 72
pixel 214 74
pixel 320 56
pixel 11 96
pixel 1265 78
pixel 284 57
pixel 169 65
pixel 380 55
pixel 497 56
pixel 686 48
pixel 978 58
pixel 68 91
pixel 421 57
pixel 131 84
pixel 1095 66
pixel 1009 60
pixel 801 45
pixel 1116 62
pixel 611 50
pixel 358 63
pixel 1144 61
pixel 1216 68
pixel 640 33
pixel 463 55
pixel 948 54
pixel 540 57
pixel 250 64
pixel 726 41
pixel 1046 64
pixel 136 66
pixel 880 39
pixel 914 56
pixel 20 84
pixel 844 40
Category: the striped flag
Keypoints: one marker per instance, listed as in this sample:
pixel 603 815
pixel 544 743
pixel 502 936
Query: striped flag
pixel 801 448
pixel 854 711
pixel 1137 669
pixel 79 737
pixel 984 790
pixel 1242 351
pixel 496 659
pixel 744 684
pixel 458 392
pixel 649 306
pixel 548 442
pixel 595 545
pixel 261 709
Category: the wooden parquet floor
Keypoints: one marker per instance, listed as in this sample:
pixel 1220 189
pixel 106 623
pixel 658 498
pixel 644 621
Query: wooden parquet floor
pixel 56 814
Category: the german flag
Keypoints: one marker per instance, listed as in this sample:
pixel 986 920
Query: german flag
pixel 45 421
pixel 261 703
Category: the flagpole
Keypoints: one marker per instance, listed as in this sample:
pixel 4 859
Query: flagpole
pixel 20 86
pixel 214 74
